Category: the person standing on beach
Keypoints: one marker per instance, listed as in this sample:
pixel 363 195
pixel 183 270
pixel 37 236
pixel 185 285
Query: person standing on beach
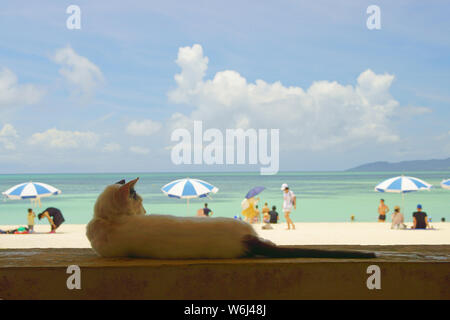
pixel 289 202
pixel 382 210
pixel 30 218
pixel 54 216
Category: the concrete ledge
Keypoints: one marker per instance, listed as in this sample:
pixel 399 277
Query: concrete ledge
pixel 407 272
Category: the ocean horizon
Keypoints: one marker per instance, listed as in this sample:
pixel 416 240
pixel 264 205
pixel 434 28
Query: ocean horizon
pixel 322 196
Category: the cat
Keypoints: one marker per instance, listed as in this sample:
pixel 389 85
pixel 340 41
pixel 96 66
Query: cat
pixel 121 228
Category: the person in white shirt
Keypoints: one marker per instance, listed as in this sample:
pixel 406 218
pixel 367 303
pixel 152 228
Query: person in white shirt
pixel 398 221
pixel 289 202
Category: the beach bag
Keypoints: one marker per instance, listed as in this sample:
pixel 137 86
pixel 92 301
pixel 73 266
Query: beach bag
pixel 21 230
pixel 266 227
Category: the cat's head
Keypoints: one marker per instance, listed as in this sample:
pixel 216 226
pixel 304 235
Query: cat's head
pixel 119 199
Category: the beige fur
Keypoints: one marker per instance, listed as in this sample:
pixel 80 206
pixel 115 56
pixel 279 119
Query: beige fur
pixel 120 228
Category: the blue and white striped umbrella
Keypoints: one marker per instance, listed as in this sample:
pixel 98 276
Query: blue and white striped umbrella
pixel 445 184
pixel 402 184
pixel 30 190
pixel 188 189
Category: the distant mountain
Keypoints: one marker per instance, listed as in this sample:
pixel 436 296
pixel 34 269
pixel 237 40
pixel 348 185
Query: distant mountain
pixel 413 165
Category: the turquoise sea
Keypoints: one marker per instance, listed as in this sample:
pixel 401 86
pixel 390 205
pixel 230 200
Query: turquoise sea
pixel 321 196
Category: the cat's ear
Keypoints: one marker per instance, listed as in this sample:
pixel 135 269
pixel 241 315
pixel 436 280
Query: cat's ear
pixel 123 193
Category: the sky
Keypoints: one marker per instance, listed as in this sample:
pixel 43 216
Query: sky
pixel 107 97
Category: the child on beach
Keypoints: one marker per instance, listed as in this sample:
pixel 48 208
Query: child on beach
pixel 265 211
pixel 30 218
pixel 257 217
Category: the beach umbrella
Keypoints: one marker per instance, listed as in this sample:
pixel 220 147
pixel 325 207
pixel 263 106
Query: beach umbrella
pixel 254 192
pixel 445 184
pixel 402 184
pixel 31 190
pixel 188 189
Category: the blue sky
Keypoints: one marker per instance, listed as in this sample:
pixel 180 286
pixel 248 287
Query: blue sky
pixel 125 60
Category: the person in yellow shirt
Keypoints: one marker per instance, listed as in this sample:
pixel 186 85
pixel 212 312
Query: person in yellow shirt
pixel 249 209
pixel 30 218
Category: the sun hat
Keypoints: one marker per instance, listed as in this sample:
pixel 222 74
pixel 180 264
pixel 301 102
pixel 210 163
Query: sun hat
pixel 396 208
pixel 284 186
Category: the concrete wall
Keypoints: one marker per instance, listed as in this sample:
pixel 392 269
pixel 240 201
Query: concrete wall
pixel 36 275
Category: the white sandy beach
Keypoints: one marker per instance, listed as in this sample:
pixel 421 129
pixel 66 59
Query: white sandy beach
pixel 343 233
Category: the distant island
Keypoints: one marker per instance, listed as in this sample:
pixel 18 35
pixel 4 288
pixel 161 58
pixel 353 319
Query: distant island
pixel 413 165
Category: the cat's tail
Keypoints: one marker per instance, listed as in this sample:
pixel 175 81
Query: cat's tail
pixel 257 247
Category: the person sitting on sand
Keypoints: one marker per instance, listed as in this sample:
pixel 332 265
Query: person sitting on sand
pixel 200 213
pixel 398 221
pixel 30 217
pixel 420 220
pixel 54 216
pixel 273 215
pixel 207 211
pixel 382 210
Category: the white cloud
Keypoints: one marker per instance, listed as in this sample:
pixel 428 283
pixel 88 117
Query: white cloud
pixel 193 68
pixel 8 134
pixel 58 139
pixel 324 115
pixel 112 147
pixel 139 150
pixel 12 93
pixel 145 127
pixel 8 131
pixel 81 73
pixel 179 120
